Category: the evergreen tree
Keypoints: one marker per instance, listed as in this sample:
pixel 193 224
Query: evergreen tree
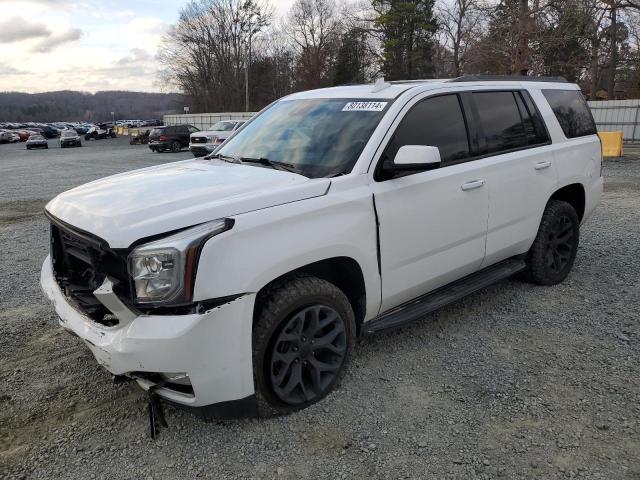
pixel 407 28
pixel 351 61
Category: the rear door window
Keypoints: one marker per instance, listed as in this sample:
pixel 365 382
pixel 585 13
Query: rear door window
pixel 500 121
pixel 534 128
pixel 572 112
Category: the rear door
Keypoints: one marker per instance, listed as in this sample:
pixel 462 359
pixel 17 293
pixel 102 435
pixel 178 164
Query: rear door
pixel 432 223
pixel 520 172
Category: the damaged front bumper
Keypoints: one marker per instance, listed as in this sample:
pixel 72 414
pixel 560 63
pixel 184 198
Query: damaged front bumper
pixel 213 348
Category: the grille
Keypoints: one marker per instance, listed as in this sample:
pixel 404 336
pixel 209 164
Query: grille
pixel 198 139
pixel 80 265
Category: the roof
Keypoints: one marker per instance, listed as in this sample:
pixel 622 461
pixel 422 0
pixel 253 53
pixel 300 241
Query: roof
pixel 390 90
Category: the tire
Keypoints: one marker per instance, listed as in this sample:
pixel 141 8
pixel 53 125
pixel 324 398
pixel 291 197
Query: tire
pixel 554 250
pixel 176 146
pixel 281 352
pixel 46 147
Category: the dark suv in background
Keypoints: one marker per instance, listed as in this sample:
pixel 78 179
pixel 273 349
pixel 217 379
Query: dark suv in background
pixel 174 138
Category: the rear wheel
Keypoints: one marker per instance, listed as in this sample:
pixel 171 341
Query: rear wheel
pixel 301 343
pixel 554 250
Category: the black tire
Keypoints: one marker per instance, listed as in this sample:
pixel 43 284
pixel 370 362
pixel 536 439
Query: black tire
pixel 554 250
pixel 315 305
pixel 46 147
pixel 176 146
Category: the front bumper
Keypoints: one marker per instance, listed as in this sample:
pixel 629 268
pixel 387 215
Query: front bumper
pixel 213 348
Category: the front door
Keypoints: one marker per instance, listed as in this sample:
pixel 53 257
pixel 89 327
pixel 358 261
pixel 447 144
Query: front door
pixel 433 224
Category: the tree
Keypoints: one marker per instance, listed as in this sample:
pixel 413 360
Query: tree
pixel 352 59
pixel 460 21
pixel 206 54
pixel 407 32
pixel 314 28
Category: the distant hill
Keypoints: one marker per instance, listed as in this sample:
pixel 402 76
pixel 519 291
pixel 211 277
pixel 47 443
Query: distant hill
pixel 70 106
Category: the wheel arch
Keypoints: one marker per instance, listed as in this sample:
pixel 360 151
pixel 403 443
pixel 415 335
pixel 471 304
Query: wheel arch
pixel 575 195
pixel 344 272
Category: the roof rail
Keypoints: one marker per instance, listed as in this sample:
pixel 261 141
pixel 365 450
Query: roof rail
pixel 507 78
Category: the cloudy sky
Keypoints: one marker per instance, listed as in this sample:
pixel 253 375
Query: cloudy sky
pixel 86 45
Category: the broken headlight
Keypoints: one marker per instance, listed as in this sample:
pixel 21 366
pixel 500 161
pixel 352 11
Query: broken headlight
pixel 164 271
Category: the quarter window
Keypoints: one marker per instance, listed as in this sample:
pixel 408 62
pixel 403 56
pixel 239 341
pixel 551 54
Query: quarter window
pixel 500 121
pixel 436 122
pixel 572 112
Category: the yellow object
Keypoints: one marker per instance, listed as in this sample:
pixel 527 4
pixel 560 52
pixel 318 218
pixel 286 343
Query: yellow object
pixel 611 144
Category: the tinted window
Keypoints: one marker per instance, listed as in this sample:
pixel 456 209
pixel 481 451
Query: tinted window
pixel 500 121
pixel 192 129
pixel 536 131
pixel 436 122
pixel 572 112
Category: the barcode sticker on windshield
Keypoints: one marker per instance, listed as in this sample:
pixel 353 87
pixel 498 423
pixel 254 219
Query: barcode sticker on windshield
pixel 364 107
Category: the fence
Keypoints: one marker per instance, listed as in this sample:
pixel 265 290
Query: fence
pixel 623 115
pixel 203 121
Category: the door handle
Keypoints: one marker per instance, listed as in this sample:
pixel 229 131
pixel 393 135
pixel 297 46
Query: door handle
pixel 542 165
pixel 472 185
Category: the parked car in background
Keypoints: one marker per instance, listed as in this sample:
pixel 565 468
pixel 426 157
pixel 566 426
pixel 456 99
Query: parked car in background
pixel 48 131
pixel 206 141
pixel 23 135
pixel 70 138
pixel 7 136
pixel 37 141
pixel 173 138
pixel 100 132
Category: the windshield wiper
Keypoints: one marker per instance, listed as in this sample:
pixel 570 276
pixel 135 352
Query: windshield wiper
pixel 289 167
pixel 224 158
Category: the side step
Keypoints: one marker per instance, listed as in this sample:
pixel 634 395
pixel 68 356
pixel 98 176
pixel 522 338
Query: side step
pixel 421 306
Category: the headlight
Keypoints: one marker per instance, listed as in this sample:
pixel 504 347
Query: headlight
pixel 211 139
pixel 163 271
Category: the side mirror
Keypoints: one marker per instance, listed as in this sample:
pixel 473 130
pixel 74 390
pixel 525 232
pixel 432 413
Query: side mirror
pixel 417 157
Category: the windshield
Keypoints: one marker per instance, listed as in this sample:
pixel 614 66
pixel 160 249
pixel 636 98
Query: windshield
pixel 69 134
pixel 222 126
pixel 319 137
pixel 36 137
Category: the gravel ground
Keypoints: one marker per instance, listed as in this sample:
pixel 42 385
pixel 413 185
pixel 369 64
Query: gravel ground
pixel 516 381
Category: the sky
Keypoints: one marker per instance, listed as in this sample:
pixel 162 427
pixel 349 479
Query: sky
pixel 86 45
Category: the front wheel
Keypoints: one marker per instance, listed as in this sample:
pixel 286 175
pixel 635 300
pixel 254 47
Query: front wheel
pixel 301 342
pixel 176 147
pixel 554 250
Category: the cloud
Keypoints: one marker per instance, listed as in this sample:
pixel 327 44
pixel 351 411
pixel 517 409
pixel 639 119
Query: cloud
pixel 57 39
pixel 17 29
pixel 138 55
pixel 9 70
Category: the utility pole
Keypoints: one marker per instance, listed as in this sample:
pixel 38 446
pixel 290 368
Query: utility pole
pixel 613 60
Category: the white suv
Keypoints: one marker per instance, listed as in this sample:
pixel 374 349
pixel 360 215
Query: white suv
pixel 238 284
pixel 204 142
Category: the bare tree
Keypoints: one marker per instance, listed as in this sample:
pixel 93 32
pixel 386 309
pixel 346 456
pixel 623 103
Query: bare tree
pixel 315 28
pixel 460 22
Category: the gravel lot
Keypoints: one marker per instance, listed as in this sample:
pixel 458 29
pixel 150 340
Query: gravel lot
pixel 516 381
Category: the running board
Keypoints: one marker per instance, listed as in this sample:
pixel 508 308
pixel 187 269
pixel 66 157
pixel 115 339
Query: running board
pixel 421 306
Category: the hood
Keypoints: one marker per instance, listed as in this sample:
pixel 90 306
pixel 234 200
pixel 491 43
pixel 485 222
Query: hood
pixel 127 207
pixel 212 133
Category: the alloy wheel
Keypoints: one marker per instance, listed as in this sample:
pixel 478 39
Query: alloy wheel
pixel 307 355
pixel 560 244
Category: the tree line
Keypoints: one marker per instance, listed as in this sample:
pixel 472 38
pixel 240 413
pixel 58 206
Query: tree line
pixel 71 106
pixel 235 55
